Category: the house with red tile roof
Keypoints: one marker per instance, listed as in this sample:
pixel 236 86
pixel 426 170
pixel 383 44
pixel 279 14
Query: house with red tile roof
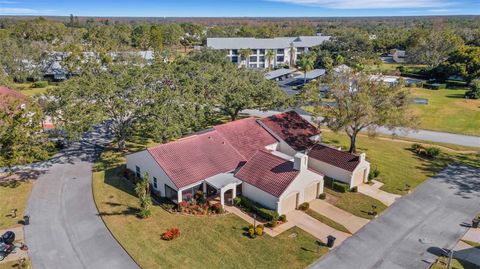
pixel 276 161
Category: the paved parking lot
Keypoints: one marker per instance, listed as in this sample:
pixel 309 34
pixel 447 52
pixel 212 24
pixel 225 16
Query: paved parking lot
pixel 416 228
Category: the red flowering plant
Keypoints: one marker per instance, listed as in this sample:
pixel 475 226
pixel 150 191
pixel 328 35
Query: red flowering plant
pixel 171 234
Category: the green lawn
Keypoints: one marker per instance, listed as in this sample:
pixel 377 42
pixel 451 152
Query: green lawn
pixel 214 242
pixel 397 164
pixel 448 111
pixel 456 264
pixel 335 225
pixel 13 197
pixel 27 89
pixel 473 244
pixel 356 203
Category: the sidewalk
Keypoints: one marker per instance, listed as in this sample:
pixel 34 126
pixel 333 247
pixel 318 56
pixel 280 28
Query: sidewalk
pixel 350 221
pixel 467 252
pixel 17 254
pixel 375 192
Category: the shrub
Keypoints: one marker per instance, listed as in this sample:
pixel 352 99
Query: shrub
pixel 251 232
pixel 304 206
pixel 354 189
pixel 273 223
pixel 40 84
pixel 340 187
pixel 259 231
pixel 260 226
pixel 432 152
pixel 373 174
pixel 256 208
pixel 171 234
pixel 198 195
pixel 322 196
pixel 217 208
pixel 283 218
pixel 237 201
pixel 434 86
pixel 474 92
pixel 415 146
pixel 144 213
pixel 182 204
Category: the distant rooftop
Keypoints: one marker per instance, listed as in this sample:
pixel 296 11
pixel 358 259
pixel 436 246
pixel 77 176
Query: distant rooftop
pixel 265 43
pixel 278 73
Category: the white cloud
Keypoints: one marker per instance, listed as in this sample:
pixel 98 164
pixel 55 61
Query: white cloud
pixel 369 4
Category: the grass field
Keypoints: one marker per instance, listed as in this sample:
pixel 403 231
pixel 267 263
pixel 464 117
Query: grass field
pixel 397 164
pixel 13 197
pixel 335 225
pixel 27 89
pixel 448 111
pixel 214 242
pixel 356 203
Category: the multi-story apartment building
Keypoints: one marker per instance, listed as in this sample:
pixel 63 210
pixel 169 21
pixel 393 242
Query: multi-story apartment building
pixel 285 49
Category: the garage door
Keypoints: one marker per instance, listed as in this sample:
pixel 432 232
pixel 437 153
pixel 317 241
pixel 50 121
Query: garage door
pixel 289 203
pixel 358 177
pixel 311 192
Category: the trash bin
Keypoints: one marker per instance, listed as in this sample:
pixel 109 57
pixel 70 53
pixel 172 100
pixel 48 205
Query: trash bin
pixel 330 241
pixel 26 220
pixel 475 222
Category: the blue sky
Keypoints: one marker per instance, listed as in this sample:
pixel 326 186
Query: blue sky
pixel 240 8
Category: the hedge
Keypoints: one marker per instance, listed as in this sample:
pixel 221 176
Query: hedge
pixel 456 84
pixel 413 75
pixel 435 86
pixel 336 185
pixel 258 209
pixel 40 84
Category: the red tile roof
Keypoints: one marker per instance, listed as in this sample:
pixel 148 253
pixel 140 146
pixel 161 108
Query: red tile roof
pixel 246 136
pixel 268 172
pixel 292 128
pixel 197 157
pixel 335 157
pixel 9 94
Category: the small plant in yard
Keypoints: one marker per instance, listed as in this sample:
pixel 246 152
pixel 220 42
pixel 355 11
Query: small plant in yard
pixel 171 234
pixel 432 152
pixel 237 201
pixel 322 196
pixel 429 152
pixel 373 174
pixel 259 230
pixel 283 218
pixel 251 232
pixel 273 223
pixel 354 189
pixel 217 208
pixel 304 206
pixel 143 192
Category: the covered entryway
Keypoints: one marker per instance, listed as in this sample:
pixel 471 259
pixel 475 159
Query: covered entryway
pixel 225 184
pixel 359 177
pixel 289 203
pixel 311 192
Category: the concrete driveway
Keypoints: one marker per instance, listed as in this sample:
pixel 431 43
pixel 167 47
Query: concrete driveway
pixel 350 221
pixel 65 228
pixel 416 228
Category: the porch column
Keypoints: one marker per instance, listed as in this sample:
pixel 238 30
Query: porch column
pixel 234 192
pixel 204 188
pixel 179 196
pixel 222 197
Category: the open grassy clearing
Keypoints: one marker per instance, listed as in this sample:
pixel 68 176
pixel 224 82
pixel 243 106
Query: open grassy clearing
pixel 27 89
pixel 448 111
pixel 335 225
pixel 397 164
pixel 356 203
pixel 13 196
pixel 214 242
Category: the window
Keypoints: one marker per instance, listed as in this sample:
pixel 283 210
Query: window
pixel 262 59
pixel 234 59
pixel 155 182
pixel 300 50
pixel 262 52
pixel 254 52
pixel 234 52
pixel 253 59
pixel 280 59
pixel 280 51
pixel 170 193
pixel 137 172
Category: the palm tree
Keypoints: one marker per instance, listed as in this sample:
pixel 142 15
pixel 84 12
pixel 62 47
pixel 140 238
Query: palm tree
pixel 269 57
pixel 292 52
pixel 244 54
pixel 306 63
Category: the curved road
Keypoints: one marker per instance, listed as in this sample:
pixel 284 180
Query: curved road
pixel 440 137
pixel 65 228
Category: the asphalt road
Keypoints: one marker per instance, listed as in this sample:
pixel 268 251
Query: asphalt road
pixel 65 228
pixel 440 137
pixel 416 229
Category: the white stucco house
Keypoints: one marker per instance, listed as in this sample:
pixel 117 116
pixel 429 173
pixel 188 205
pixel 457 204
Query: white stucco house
pixel 276 161
pixel 286 49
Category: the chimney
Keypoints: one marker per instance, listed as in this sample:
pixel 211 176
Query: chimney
pixel 362 157
pixel 300 161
